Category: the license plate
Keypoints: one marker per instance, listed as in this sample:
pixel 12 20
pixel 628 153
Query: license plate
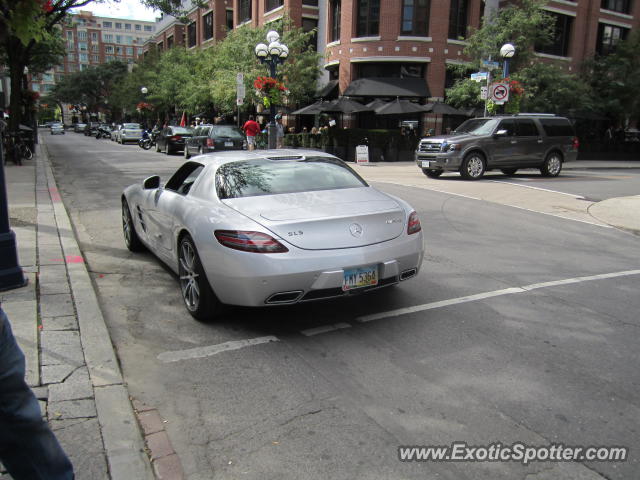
pixel 228 144
pixel 426 164
pixel 360 277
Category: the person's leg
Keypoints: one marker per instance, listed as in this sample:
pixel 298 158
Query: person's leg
pixel 28 448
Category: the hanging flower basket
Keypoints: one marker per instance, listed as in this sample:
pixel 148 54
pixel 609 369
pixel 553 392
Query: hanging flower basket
pixel 270 90
pixel 142 106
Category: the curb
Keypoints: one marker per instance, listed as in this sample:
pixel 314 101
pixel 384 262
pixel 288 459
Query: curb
pixel 123 443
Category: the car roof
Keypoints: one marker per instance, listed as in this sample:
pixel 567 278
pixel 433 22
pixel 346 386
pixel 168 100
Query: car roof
pixel 220 158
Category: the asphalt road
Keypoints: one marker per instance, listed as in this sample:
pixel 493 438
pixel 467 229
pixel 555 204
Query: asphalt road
pixel 510 333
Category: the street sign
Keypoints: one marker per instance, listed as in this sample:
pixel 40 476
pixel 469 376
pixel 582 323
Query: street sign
pixel 241 92
pixel 499 92
pixel 239 101
pixel 362 154
pixel 239 78
pixel 490 64
pixel 480 76
pixel 483 92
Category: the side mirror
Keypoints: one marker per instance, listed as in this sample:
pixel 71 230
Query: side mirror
pixel 501 133
pixel 151 182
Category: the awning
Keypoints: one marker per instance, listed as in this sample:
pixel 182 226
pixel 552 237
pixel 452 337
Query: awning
pixel 330 90
pixel 388 87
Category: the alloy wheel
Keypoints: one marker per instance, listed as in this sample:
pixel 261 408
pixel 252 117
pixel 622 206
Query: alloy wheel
pixel 189 276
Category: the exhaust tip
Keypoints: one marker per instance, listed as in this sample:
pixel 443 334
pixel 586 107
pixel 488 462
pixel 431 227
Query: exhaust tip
pixel 408 273
pixel 284 297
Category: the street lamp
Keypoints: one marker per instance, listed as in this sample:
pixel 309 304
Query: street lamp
pixel 272 54
pixel 506 51
pixel 144 90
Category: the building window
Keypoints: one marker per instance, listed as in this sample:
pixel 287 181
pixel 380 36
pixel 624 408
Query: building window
pixel 244 10
pixel 109 58
pixel 335 20
pixel 170 42
pixel 310 3
pixel 95 47
pixel 118 26
pixel 148 28
pixel 94 36
pixel 107 37
pixel 390 69
pixel 608 38
pixel 160 45
pixel 83 57
pixel 119 39
pixel 561 36
pixel 138 27
pixel 118 50
pixel 271 4
pixel 108 49
pixel 107 24
pixel 71 57
pixel 368 18
pixel 69 35
pixel 207 24
pixel 129 51
pixel 82 35
pixel 191 34
pixel 71 46
pixel 95 58
pixel 139 51
pixel 127 26
pixel 311 25
pixel 621 6
pixel 458 19
pixel 82 46
pixel 229 20
pixel 415 17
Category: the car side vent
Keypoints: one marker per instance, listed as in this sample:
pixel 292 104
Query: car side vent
pixel 290 157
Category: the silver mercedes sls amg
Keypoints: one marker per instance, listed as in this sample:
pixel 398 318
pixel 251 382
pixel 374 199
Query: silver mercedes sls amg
pixel 271 227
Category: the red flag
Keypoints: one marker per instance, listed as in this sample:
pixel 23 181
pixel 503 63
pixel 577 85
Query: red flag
pixel 183 121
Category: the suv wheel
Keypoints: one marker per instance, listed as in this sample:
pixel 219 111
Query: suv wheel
pixel 552 165
pixel 508 171
pixel 186 152
pixel 432 173
pixel 473 166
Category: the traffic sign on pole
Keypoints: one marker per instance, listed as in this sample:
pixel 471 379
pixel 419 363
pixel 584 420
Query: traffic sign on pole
pixel 499 92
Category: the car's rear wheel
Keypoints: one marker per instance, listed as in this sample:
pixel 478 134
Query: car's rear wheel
pixel 473 166
pixel 168 151
pixel 552 165
pixel 197 294
pixel 432 173
pixel 186 153
pixel 131 238
pixel 509 171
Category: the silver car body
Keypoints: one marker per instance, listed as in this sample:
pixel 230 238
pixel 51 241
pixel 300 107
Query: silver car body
pixel 326 232
pixel 129 132
pixel 57 129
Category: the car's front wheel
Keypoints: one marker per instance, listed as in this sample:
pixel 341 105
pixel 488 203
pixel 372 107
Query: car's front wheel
pixel 432 173
pixel 131 238
pixel 197 294
pixel 186 153
pixel 552 165
pixel 473 166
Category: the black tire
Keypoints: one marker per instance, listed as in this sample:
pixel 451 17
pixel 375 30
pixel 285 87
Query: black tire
pixel 131 239
pixel 146 144
pixel 509 171
pixel 552 165
pixel 473 166
pixel 27 153
pixel 196 291
pixel 168 151
pixel 432 173
pixel 186 153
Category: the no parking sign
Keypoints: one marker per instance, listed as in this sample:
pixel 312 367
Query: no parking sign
pixel 499 92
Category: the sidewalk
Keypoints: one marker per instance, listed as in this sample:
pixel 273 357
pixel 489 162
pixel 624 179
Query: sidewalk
pixel 71 363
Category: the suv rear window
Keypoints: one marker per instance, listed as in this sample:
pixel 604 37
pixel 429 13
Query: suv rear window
pixel 226 131
pixel 557 127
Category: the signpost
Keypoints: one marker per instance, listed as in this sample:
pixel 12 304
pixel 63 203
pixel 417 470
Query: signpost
pixel 362 154
pixel 499 93
pixel 240 92
pixel 480 76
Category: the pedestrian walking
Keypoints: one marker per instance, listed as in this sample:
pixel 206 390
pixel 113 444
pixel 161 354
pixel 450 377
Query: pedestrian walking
pixel 28 448
pixel 279 133
pixel 251 129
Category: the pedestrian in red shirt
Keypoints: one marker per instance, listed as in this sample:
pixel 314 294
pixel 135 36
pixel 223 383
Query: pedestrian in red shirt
pixel 251 129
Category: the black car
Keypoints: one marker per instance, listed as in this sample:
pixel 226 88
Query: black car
pixel 172 139
pixel 215 138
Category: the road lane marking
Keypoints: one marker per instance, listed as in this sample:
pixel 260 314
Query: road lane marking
pixel 324 329
pixel 559 216
pixel 208 351
pixel 538 188
pixel 495 293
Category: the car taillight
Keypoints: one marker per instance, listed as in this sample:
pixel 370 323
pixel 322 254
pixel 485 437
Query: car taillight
pixel 413 226
pixel 255 242
pixel 176 137
pixel 575 144
pixel 210 142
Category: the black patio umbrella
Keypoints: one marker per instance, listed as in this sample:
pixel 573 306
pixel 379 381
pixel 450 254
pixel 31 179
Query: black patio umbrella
pixel 399 107
pixel 312 109
pixel 378 102
pixel 344 105
pixel 440 108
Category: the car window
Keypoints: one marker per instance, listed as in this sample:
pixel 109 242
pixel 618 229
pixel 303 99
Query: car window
pixel 250 178
pixel 526 127
pixel 508 125
pixel 130 125
pixel 477 126
pixel 183 179
pixel 226 131
pixel 557 127
pixel 182 131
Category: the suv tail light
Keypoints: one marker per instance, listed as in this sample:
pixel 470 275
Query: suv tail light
pixel 176 138
pixel 255 242
pixel 413 225
pixel 575 143
pixel 210 142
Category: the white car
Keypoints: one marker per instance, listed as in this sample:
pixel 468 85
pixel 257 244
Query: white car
pixel 129 132
pixel 57 129
pixel 271 227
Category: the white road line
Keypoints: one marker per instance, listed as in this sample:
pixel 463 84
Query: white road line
pixel 559 216
pixel 538 188
pixel 426 188
pixel 201 352
pixel 495 293
pixel 324 329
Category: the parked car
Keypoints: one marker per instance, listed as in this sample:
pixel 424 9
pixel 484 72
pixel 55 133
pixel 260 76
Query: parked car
pixel 508 143
pixel 79 127
pixel 57 129
pixel 91 128
pixel 172 138
pixel 238 228
pixel 209 138
pixel 129 132
pixel 114 132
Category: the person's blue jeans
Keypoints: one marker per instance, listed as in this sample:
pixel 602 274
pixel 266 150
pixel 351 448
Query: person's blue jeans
pixel 28 448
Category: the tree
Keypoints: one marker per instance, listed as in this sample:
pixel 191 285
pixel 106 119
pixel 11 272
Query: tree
pixel 617 74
